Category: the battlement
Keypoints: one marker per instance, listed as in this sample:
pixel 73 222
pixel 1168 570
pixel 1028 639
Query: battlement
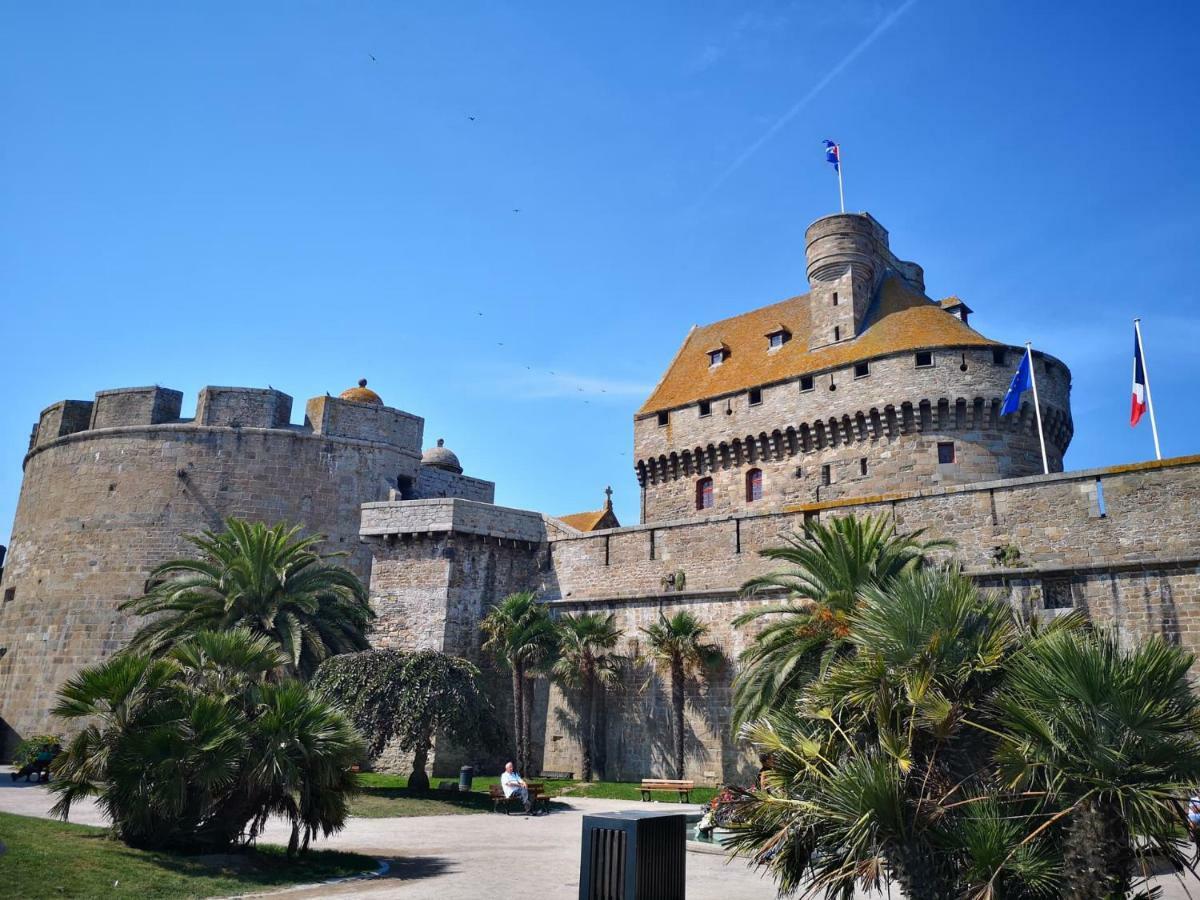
pixel 334 417
pixel 230 407
pixel 244 407
pixel 135 406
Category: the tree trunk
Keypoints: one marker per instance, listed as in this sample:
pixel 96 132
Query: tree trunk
pixel 518 698
pixel 587 721
pixel 527 726
pixel 677 708
pixel 418 780
pixel 1097 853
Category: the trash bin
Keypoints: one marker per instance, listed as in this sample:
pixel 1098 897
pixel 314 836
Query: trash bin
pixel 636 855
pixel 465 775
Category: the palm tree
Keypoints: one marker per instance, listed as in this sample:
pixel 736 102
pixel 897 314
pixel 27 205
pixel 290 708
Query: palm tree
pixel 190 749
pixel 586 664
pixel 268 580
pixel 678 649
pixel 829 566
pixel 875 767
pixel 1112 737
pixel 522 636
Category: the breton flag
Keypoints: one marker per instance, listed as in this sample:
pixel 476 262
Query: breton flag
pixel 1139 384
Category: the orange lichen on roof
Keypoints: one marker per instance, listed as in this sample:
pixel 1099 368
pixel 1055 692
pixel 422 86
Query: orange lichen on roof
pixel 591 521
pixel 899 319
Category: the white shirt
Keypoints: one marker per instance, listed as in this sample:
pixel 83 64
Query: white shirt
pixel 509 782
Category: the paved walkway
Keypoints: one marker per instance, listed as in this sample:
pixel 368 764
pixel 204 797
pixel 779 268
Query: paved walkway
pixel 465 857
pixel 461 857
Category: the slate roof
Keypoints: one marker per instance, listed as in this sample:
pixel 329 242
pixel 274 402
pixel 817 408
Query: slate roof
pixel 899 319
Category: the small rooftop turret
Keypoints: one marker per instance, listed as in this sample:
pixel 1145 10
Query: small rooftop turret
pixel 441 457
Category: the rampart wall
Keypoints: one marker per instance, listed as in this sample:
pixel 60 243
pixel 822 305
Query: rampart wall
pixel 112 486
pixel 1120 543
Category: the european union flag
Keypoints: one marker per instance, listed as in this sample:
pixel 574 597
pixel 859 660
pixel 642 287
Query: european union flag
pixel 833 156
pixel 1022 381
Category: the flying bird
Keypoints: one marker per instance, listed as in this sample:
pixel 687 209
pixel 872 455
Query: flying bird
pixel 516 210
pixel 373 59
pixel 472 118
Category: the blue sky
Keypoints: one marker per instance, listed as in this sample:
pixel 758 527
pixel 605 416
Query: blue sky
pixel 239 194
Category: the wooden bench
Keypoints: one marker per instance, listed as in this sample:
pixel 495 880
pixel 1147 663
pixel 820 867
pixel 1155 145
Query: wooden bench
pixel 683 788
pixel 537 797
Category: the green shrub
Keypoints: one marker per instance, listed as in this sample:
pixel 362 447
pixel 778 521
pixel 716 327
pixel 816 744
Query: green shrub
pixel 189 750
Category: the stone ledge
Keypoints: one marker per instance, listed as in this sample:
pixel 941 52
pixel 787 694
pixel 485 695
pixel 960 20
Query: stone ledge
pixel 190 427
pixel 900 497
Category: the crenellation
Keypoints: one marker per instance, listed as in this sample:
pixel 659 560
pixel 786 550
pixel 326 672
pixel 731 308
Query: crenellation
pixel 135 406
pixel 243 407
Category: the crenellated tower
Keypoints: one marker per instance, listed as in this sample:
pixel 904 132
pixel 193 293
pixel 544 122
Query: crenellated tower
pixel 862 386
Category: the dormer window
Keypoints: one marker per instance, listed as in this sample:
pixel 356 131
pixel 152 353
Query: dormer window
pixel 777 337
pixel 717 355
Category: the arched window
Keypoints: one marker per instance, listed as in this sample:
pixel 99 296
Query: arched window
pixel 704 493
pixel 753 485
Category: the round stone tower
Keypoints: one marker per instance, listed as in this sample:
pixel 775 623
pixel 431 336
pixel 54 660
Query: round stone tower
pixel 112 486
pixel 864 386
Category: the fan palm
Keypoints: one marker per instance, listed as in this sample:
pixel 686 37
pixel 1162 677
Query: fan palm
pixel 191 749
pixel 870 769
pixel 828 567
pixel 678 649
pixel 521 635
pixel 269 580
pixel 585 663
pixel 1111 737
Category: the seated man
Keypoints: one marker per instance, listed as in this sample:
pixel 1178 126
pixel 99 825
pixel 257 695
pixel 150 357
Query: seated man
pixel 514 785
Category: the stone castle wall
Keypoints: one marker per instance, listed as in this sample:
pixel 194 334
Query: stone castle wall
pixel 1120 543
pixel 893 419
pixel 98 510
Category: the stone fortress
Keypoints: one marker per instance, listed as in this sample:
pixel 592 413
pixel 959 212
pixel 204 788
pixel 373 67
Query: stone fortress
pixel 862 396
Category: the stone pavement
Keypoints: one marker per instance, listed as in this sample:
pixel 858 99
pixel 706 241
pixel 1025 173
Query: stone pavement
pixel 486 855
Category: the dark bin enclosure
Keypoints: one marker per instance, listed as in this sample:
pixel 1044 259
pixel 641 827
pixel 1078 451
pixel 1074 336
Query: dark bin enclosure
pixel 634 855
pixel 465 776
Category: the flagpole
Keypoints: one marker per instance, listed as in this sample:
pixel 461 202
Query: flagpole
pixel 1137 328
pixel 841 194
pixel 1037 407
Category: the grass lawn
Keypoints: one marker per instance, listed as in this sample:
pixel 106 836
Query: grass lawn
pixel 384 795
pixel 46 858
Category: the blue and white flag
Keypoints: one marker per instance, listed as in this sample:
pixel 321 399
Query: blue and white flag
pixel 833 156
pixel 1021 382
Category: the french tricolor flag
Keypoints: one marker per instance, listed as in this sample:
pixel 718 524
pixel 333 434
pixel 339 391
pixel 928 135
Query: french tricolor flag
pixel 1139 383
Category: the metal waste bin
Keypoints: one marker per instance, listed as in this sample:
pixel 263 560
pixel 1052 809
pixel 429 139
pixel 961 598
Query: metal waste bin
pixel 465 774
pixel 634 855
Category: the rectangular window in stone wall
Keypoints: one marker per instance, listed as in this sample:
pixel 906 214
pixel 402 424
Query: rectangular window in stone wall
pixel 862 370
pixel 705 408
pixel 826 474
pixel 999 356
pixel 806 382
pixel 663 418
pixel 862 466
pixel 10 594
pixel 1057 593
pixel 755 396
pixel 945 452
pixel 924 359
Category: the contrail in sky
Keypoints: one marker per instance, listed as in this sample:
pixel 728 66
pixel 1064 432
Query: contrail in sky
pixel 888 21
